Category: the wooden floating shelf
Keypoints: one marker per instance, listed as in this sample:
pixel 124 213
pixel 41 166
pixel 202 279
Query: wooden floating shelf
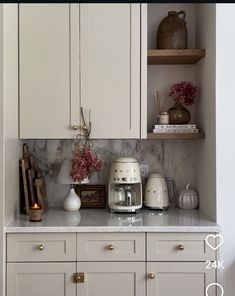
pixel 175 56
pixel 176 136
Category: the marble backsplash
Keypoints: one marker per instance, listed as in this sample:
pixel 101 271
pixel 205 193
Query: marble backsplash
pixel 174 159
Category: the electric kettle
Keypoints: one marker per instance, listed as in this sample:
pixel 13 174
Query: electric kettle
pixel 156 192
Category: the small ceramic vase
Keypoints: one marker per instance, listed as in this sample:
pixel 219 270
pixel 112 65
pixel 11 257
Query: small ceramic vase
pixel 188 199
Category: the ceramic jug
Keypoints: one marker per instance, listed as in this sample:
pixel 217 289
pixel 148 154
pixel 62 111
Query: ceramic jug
pixel 172 31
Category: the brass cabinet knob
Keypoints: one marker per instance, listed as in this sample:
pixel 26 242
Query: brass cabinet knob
pixel 78 277
pixel 40 247
pixel 84 127
pixel 111 247
pixel 151 275
pixel 180 247
pixel 75 127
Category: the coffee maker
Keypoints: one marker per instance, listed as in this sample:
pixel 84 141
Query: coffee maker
pixel 125 188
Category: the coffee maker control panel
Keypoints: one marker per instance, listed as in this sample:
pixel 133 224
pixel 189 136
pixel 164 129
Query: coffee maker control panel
pixel 127 176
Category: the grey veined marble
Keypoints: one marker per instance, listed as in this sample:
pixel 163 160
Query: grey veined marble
pixel 174 159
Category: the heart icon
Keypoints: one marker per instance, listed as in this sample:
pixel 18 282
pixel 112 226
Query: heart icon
pixel 213 285
pixel 218 243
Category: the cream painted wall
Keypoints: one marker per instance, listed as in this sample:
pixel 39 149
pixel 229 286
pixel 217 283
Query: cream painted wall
pixel 225 139
pixel 9 143
pixel 205 109
pixel 2 273
pixel 11 110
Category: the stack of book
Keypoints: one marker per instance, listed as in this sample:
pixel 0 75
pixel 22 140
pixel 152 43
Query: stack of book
pixel 171 128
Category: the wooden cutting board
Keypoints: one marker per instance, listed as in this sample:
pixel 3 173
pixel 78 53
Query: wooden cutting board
pixel 26 155
pixel 32 187
pixel 24 168
pixel 33 165
pixel 41 193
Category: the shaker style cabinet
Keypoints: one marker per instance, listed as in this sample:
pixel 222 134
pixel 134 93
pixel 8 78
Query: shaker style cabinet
pixel 50 264
pixel 61 279
pixel 41 264
pixel 44 71
pixel 126 264
pixel 176 264
pixel 77 58
pixel 27 279
pixel 179 278
pixel 112 278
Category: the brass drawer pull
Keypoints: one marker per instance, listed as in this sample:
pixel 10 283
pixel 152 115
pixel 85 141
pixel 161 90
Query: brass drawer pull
pixel 151 275
pixel 180 247
pixel 75 127
pixel 78 277
pixel 41 247
pixel 111 247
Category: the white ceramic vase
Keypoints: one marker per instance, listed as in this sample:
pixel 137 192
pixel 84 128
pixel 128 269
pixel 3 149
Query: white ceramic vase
pixel 72 201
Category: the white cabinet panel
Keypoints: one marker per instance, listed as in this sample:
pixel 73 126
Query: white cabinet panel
pixel 179 278
pixel 41 247
pixel 44 55
pixel 112 278
pixel 110 247
pixel 69 53
pixel 37 279
pixel 178 247
pixel 110 68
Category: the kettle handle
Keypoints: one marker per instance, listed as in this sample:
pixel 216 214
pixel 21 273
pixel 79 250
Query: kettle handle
pixel 182 12
pixel 173 184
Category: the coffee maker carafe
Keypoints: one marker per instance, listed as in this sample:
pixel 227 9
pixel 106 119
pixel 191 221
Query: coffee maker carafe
pixel 125 188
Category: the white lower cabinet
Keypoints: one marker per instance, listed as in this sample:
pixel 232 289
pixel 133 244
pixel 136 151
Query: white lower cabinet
pixel 117 264
pixel 95 278
pixel 112 278
pixel 37 279
pixel 179 279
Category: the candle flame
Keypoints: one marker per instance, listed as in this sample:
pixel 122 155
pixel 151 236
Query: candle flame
pixel 35 206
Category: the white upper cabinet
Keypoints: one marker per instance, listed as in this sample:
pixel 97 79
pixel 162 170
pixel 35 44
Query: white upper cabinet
pixel 79 55
pixel 110 68
pixel 44 65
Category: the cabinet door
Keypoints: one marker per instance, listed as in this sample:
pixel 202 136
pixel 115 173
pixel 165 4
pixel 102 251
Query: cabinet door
pixel 112 278
pixel 110 68
pixel 179 279
pixel 37 279
pixel 46 97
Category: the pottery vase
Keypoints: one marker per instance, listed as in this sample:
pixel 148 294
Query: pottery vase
pixel 178 114
pixel 172 31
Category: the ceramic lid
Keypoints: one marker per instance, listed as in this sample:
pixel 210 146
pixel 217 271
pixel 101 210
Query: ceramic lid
pixel 187 191
pixel 155 175
pixel 125 160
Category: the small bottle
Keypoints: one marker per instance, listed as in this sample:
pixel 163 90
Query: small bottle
pixel 163 118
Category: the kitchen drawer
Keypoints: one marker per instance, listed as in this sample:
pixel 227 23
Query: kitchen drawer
pixel 178 247
pixel 41 247
pixel 111 247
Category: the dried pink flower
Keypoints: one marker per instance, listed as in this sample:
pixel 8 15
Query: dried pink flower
pixel 183 92
pixel 84 163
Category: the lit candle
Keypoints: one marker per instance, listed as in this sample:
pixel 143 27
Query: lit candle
pixel 35 206
pixel 35 213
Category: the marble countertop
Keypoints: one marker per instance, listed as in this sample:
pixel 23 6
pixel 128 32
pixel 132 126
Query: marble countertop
pixel 101 220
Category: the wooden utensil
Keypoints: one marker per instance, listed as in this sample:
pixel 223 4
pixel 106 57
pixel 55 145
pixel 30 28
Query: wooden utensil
pixel 41 193
pixel 26 154
pixel 32 188
pixel 33 165
pixel 24 168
